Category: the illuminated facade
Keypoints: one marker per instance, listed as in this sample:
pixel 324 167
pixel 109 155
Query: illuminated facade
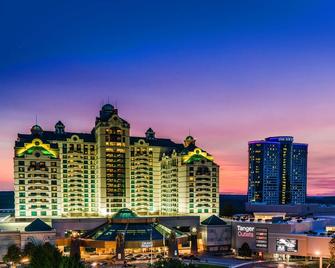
pixel 65 174
pixel 112 159
pixel 54 174
pixel 277 171
pixel 190 181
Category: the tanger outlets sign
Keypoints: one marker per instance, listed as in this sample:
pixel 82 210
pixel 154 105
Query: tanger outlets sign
pixel 245 231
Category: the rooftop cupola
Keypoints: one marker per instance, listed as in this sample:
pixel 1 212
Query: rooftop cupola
pixel 106 112
pixel 189 140
pixel 36 130
pixel 107 108
pixel 59 128
pixel 150 134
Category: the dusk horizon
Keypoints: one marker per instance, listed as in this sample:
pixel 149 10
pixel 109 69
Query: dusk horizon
pixel 227 73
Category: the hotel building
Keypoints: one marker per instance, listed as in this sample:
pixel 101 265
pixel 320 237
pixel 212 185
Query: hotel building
pixel 65 174
pixel 277 171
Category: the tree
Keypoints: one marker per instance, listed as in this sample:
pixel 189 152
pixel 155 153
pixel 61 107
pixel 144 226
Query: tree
pixel 244 250
pixel 28 249
pixel 332 253
pixel 48 256
pixel 13 254
pixel 45 256
pixel 71 262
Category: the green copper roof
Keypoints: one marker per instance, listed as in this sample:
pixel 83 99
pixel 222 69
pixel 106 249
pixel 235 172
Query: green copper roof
pixel 194 158
pixel 125 213
pixel 37 148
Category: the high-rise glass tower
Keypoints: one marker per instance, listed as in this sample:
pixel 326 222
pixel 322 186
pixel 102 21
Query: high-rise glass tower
pixel 277 171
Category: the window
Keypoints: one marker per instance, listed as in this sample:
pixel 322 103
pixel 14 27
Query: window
pixel 33 213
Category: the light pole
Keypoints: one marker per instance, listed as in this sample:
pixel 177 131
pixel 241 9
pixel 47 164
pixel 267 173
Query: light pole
pixel 151 247
pixel 163 245
pixel 317 253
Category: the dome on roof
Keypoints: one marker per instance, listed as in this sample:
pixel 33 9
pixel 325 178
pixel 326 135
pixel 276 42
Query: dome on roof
pixel 36 130
pixel 107 108
pixel 124 213
pixel 189 140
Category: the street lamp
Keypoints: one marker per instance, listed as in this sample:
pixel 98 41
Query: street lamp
pixel 151 247
pixel 318 254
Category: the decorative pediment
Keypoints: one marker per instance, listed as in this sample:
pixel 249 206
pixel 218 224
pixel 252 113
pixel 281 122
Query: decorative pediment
pixel 36 145
pixel 196 155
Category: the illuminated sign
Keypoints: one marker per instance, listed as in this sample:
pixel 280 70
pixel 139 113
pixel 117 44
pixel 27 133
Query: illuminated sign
pixel 146 244
pixel 330 228
pixel 261 237
pixel 287 245
pixel 245 231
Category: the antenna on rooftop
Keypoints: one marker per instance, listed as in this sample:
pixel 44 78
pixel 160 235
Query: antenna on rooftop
pixel 36 119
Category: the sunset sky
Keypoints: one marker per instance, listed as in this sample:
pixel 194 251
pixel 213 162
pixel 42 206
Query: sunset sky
pixel 230 71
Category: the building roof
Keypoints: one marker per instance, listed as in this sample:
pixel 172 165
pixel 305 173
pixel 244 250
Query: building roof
pixel 90 137
pixel 133 228
pixel 131 231
pixel 213 220
pixel 157 142
pixel 37 226
pixel 53 136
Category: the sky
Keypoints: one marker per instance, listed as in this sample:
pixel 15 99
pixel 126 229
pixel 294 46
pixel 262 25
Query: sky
pixel 226 71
